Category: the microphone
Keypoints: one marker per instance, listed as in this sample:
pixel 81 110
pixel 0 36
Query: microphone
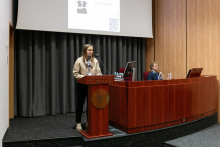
pixel 89 56
pixel 97 55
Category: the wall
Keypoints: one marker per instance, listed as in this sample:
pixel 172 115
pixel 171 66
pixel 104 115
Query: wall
pixel 149 51
pixel 203 35
pixel 187 35
pixel 170 37
pixel 168 46
pixel 5 17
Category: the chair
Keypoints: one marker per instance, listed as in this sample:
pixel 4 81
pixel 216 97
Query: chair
pixel 121 70
pixel 146 74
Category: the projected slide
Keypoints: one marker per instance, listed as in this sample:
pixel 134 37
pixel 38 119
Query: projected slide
pixel 101 15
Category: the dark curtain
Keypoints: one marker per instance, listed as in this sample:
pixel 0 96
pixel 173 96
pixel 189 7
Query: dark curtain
pixel 44 64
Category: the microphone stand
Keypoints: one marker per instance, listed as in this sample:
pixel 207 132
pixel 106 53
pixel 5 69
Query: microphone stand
pixel 101 62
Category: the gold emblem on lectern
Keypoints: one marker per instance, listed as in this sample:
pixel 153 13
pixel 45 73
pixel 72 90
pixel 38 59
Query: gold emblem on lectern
pixel 100 98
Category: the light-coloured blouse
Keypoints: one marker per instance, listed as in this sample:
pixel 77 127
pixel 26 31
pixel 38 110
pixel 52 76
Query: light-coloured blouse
pixel 80 68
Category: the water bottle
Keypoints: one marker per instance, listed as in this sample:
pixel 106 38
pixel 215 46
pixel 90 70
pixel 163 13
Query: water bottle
pixel 170 76
pixel 115 75
pixel 119 76
pixel 122 79
pixel 116 79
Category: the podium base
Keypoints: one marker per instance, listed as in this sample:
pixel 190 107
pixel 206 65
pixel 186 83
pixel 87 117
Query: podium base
pixel 84 133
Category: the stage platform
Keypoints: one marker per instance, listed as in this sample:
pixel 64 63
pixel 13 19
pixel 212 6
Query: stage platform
pixel 208 137
pixel 59 131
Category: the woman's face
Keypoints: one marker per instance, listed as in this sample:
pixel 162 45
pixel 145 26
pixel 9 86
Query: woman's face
pixel 90 50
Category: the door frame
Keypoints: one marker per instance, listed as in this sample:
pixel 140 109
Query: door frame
pixel 11 71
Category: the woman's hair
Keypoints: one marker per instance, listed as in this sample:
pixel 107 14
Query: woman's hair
pixel 84 51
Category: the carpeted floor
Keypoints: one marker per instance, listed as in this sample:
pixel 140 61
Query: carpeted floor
pixel 59 130
pixel 44 127
pixel 209 137
pixel 48 127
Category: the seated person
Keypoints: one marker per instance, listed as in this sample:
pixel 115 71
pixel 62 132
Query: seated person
pixel 154 75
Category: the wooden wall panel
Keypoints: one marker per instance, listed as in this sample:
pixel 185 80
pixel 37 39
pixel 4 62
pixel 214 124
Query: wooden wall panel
pixel 149 51
pixel 203 36
pixel 186 35
pixel 170 37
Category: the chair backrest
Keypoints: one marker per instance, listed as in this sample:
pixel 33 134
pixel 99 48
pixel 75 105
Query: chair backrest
pixel 146 74
pixel 121 70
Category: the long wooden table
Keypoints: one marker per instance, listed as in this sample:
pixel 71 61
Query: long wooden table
pixel 148 105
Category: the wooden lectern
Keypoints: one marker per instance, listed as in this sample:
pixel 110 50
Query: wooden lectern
pixel 98 105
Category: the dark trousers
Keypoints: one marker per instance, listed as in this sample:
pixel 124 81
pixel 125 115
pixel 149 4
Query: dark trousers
pixel 82 91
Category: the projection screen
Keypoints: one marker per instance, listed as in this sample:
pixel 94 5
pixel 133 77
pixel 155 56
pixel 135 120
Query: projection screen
pixel 104 17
